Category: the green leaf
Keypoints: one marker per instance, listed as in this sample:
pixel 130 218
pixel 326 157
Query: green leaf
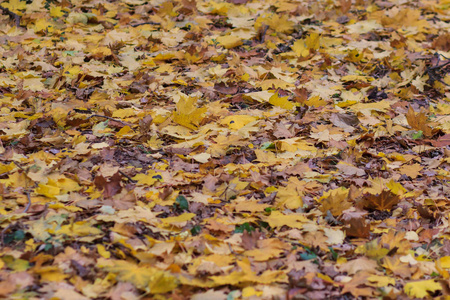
pixel 245 226
pixel 182 202
pixel 196 230
pixel 267 145
pixel 19 235
pixel 417 135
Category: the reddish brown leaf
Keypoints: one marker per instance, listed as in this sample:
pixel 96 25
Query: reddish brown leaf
pixel 358 228
pixel 442 141
pixel 384 201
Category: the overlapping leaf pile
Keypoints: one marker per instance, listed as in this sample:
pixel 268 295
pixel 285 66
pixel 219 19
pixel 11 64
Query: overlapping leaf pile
pixel 224 150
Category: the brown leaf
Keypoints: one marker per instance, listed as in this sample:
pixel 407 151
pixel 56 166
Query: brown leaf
pixel 249 239
pixel 419 122
pixel 144 124
pixel 358 228
pixel 384 201
pixel 344 120
pixel 110 186
pixel 397 267
pixel 224 89
pixel 442 42
pixel 299 169
pixel 357 265
pixel 280 131
pixel 442 141
pixel 336 201
pixel 357 287
pixel 122 290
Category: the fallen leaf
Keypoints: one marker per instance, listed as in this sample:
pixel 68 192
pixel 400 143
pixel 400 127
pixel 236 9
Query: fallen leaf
pixel 421 289
pixel 384 201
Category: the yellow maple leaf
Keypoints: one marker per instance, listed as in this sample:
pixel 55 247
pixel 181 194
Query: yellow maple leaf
pixel 300 49
pixel 120 113
pixel 102 251
pixel 236 122
pixel 56 12
pixel 51 273
pixel 49 190
pixel 78 229
pixel 396 187
pixel 277 219
pixel 291 195
pixel 280 24
pixel 372 249
pixel 247 275
pixel 381 281
pixel 229 41
pixel 143 276
pixel 178 221
pixel 445 262
pixel 420 289
pixel 147 179
pixel 281 101
pixel 15 5
pixel 335 201
pixel 43 25
pixel 313 41
pixel 187 114
pixel 315 101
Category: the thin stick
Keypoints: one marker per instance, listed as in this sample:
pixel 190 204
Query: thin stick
pixel 109 118
pixel 128 177
pixel 12 15
pixel 29 202
pixel 144 23
pixel 440 66
pixel 429 72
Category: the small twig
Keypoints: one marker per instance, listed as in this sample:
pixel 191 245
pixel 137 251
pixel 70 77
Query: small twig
pixel 430 70
pixel 110 118
pixel 6 173
pixel 440 66
pixel 12 15
pixel 29 202
pixel 433 76
pixel 263 31
pixel 231 250
pixel 128 177
pixel 145 23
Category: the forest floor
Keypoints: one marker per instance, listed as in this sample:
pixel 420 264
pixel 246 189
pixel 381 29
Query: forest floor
pixel 224 149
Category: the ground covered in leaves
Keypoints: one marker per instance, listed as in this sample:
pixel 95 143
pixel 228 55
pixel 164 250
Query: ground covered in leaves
pixel 224 150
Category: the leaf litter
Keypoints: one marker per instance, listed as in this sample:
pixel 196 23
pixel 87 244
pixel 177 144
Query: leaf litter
pixel 224 149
